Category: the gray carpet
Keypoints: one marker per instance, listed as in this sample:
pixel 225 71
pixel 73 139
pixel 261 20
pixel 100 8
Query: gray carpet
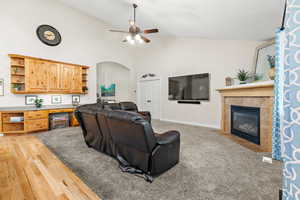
pixel 211 167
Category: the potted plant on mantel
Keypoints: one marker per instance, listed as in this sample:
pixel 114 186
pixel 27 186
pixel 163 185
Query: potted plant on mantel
pixel 243 76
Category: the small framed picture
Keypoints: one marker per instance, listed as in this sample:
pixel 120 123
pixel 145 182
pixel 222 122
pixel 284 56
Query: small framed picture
pixel 56 99
pixel 30 99
pixel 75 99
pixel 1 87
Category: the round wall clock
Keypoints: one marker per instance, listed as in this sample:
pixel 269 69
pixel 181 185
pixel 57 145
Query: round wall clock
pixel 48 35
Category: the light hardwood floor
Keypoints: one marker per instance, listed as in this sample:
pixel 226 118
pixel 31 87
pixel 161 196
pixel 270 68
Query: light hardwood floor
pixel 28 170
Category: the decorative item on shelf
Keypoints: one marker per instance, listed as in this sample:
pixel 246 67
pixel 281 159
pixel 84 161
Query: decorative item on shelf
pixel 257 77
pixel 75 100
pixel 56 99
pixel 271 73
pixel 15 70
pixel 148 75
pixel 48 35
pixel 38 103
pixel 109 91
pixel 243 76
pixel 30 99
pixel 17 87
pixel 85 89
pixel 228 81
pixel 1 87
pixel 16 119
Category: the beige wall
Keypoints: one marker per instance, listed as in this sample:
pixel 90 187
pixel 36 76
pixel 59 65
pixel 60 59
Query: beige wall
pixel 181 56
pixel 85 40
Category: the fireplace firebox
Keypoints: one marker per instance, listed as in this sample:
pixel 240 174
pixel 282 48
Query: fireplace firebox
pixel 245 123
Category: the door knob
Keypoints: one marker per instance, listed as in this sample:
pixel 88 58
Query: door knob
pixel 149 101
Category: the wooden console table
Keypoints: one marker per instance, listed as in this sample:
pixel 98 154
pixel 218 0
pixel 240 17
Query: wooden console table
pixel 259 95
pixel 34 119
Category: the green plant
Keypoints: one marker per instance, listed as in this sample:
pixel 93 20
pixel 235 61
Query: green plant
pixel 38 102
pixel 17 86
pixel 243 75
pixel 271 60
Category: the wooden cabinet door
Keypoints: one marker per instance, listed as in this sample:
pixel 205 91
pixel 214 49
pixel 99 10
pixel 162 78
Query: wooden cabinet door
pixel 36 78
pixel 53 77
pixel 66 75
pixel 77 80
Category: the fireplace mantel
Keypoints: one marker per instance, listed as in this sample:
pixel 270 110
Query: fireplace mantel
pixel 260 89
pixel 259 95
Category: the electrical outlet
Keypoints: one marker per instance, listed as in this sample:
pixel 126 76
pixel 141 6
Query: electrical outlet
pixel 267 160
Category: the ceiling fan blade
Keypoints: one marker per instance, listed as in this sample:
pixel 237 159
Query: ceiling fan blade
pixel 118 31
pixel 146 40
pixel 151 31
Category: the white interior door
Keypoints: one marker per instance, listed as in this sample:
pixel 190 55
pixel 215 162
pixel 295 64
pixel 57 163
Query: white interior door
pixel 149 97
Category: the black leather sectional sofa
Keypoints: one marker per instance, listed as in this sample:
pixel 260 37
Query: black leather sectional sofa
pixel 122 132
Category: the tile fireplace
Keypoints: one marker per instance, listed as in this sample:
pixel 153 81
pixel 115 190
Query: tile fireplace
pixel 246 115
pixel 245 123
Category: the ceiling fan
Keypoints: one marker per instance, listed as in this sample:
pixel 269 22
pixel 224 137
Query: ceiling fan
pixel 134 32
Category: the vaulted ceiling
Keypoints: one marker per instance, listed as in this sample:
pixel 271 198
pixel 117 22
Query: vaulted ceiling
pixel 213 19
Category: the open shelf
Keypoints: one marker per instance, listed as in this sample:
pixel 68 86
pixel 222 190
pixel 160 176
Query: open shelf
pixel 17 74
pixel 84 79
pixel 21 66
pixel 13 122
pixel 13 132
pixel 12 127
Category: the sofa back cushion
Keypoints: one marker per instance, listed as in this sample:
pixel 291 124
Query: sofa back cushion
pixel 130 129
pixel 93 135
pixel 110 147
pixel 112 106
pixel 128 106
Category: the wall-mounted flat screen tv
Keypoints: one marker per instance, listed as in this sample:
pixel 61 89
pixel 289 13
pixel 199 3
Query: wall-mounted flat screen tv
pixel 191 87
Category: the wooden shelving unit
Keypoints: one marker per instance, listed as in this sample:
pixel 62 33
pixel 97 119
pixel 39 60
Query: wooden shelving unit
pixel 31 75
pixel 17 74
pixel 85 79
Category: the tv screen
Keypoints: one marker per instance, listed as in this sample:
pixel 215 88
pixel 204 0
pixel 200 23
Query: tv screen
pixel 192 87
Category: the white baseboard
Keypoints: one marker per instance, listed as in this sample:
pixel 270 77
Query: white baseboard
pixel 191 123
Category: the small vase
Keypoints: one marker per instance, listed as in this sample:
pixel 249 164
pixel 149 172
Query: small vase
pixel 242 82
pixel 38 105
pixel 271 73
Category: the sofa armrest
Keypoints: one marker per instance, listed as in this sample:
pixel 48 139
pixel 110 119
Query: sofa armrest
pixel 167 137
pixel 145 113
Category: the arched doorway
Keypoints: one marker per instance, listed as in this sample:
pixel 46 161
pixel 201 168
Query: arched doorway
pixel 113 81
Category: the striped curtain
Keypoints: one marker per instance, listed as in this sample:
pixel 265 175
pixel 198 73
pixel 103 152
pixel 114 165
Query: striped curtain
pixel 291 120
pixel 278 96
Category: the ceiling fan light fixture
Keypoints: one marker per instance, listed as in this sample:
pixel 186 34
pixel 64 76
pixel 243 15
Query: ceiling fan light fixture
pixel 131 42
pixel 141 41
pixel 131 22
pixel 137 37
pixel 129 38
